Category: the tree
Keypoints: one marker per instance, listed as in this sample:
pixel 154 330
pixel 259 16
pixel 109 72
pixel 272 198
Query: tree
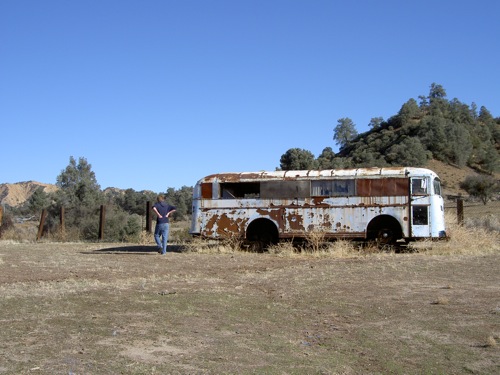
pixel 432 134
pixel 437 99
pixel 424 103
pixel 182 199
pixel 491 159
pixel 297 159
pixel 344 132
pixel 480 186
pixel 78 183
pixel 328 160
pixel 376 122
pixel 408 111
pixel 408 152
pixel 134 202
pixel 473 110
pixel 81 197
pixel 38 201
pixel 493 125
pixel 365 157
pixel 459 145
pixel 437 92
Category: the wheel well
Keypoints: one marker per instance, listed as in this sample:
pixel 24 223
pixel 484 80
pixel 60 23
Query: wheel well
pixel 263 230
pixel 383 222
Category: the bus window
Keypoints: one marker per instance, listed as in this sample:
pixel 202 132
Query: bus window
pixel 333 188
pixel 437 186
pixel 244 190
pixel 321 188
pixel 285 189
pixel 419 186
pixel 420 215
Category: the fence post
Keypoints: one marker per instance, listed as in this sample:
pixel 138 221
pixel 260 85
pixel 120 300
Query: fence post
pixel 42 223
pixel 460 211
pixel 101 222
pixel 149 218
pixel 1 216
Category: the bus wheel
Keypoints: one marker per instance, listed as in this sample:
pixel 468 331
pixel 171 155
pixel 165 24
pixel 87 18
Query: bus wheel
pixel 385 231
pixel 385 237
pixel 261 233
pixel 256 246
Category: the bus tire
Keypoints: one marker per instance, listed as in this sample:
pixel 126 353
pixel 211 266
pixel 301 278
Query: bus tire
pixel 261 233
pixel 384 230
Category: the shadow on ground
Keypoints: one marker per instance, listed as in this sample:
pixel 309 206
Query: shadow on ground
pixel 137 249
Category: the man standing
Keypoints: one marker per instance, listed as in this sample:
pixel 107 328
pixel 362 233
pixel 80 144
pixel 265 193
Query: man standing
pixel 163 210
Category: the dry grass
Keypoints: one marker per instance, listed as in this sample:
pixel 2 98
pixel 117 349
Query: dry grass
pixel 227 246
pixel 337 249
pixel 491 341
pixel 25 233
pixel 282 249
pixel 315 240
pixel 490 223
pixel 471 240
pixel 146 238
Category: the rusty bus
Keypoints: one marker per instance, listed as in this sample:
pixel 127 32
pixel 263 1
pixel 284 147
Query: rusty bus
pixel 387 205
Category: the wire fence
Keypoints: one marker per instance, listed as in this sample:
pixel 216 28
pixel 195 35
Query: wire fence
pixel 475 213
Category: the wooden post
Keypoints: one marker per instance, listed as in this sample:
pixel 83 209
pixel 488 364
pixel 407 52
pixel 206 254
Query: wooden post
pixel 149 218
pixel 1 216
pixel 460 211
pixel 101 222
pixel 42 223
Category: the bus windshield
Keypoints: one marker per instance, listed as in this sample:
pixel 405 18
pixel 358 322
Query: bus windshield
pixel 437 186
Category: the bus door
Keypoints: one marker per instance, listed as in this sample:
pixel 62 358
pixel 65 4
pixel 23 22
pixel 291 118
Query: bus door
pixel 420 207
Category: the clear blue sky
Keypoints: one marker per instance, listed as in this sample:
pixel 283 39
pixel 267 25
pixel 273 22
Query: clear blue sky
pixel 159 93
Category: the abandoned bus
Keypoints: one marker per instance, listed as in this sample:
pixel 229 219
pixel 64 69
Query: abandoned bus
pixel 388 205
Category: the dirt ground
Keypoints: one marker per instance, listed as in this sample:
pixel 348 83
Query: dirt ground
pixel 78 308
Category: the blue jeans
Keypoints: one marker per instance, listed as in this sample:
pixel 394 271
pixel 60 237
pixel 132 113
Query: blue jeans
pixel 161 236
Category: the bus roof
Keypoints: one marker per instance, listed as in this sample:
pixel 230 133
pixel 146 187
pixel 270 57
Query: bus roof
pixel 319 174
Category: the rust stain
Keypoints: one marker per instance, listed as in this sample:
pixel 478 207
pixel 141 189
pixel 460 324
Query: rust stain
pixel 377 187
pixel 295 221
pixel 206 190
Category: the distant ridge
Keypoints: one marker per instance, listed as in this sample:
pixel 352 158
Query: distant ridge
pixel 18 193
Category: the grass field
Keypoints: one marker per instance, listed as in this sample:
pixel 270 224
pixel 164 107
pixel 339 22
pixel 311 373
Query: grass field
pixel 81 308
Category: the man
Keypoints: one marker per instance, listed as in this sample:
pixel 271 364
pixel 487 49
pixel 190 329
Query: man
pixel 163 210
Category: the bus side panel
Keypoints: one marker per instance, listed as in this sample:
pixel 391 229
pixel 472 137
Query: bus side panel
pixel 335 217
pixel 223 223
pixel 342 217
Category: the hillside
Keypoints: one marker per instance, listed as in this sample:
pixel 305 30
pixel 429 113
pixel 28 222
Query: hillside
pixel 18 193
pixel 450 176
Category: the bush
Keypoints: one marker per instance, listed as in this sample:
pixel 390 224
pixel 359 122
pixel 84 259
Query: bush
pixel 480 186
pixel 6 224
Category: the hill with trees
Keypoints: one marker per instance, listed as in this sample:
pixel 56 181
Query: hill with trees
pixel 433 128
